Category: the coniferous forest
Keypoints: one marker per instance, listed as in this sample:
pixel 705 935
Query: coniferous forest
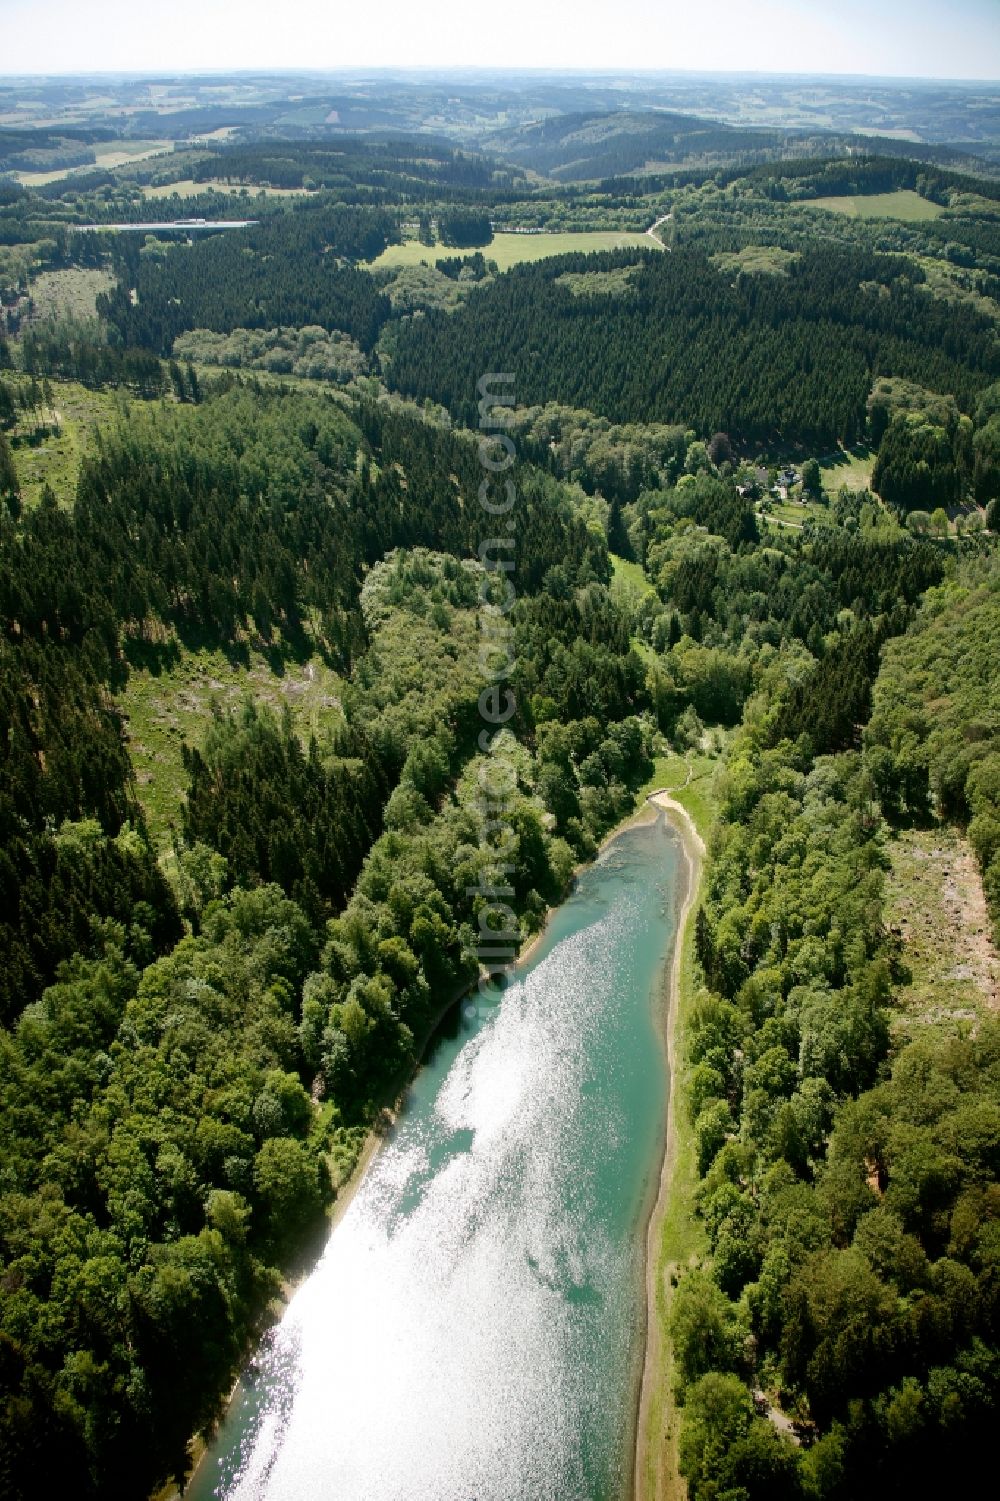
pixel 245 857
pixel 760 357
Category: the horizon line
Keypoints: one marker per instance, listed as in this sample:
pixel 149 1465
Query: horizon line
pixel 453 69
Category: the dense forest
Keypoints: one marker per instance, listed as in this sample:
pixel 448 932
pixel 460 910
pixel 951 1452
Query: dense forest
pixel 848 1187
pixel 390 169
pixel 286 272
pixel 759 358
pixel 931 740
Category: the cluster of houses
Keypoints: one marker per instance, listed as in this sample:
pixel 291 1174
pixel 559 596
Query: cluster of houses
pixel 758 482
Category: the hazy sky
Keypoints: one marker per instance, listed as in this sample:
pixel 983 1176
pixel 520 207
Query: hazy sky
pixel 931 38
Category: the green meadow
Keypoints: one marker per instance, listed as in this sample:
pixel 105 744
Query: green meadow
pixel 902 204
pixel 509 249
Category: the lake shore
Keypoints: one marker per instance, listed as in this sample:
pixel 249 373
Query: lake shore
pixel 389 1109
pixel 376 1138
pixel 654 1367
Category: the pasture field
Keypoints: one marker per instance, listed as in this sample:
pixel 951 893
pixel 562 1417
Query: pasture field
pixel 902 204
pixel 42 179
pixel 108 154
pixel 124 153
pixel 188 188
pixel 509 249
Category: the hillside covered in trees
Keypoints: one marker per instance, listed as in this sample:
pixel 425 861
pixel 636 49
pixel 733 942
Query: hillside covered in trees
pixel 766 356
pixel 848 1181
pixel 183 1166
pixel 931 739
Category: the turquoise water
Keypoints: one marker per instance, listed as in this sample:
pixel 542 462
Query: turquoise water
pixel 474 1328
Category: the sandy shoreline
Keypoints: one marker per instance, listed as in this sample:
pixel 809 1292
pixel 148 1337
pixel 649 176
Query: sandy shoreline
pixel 653 1360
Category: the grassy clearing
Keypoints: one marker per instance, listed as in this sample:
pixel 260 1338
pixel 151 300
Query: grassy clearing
pixel 509 249
pixel 598 283
pixel 689 777
pixel 902 204
pixel 787 511
pixel 795 513
pixel 71 293
pixel 698 797
pixel 760 260
pixel 645 651
pixel 950 970
pixel 629 583
pixel 670 772
pixel 54 457
pixel 851 467
pixel 165 708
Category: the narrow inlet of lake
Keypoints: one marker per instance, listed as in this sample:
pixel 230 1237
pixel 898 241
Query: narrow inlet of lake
pixel 474 1329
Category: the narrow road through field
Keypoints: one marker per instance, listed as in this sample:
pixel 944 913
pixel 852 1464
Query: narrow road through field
pixel 779 520
pixel 651 231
